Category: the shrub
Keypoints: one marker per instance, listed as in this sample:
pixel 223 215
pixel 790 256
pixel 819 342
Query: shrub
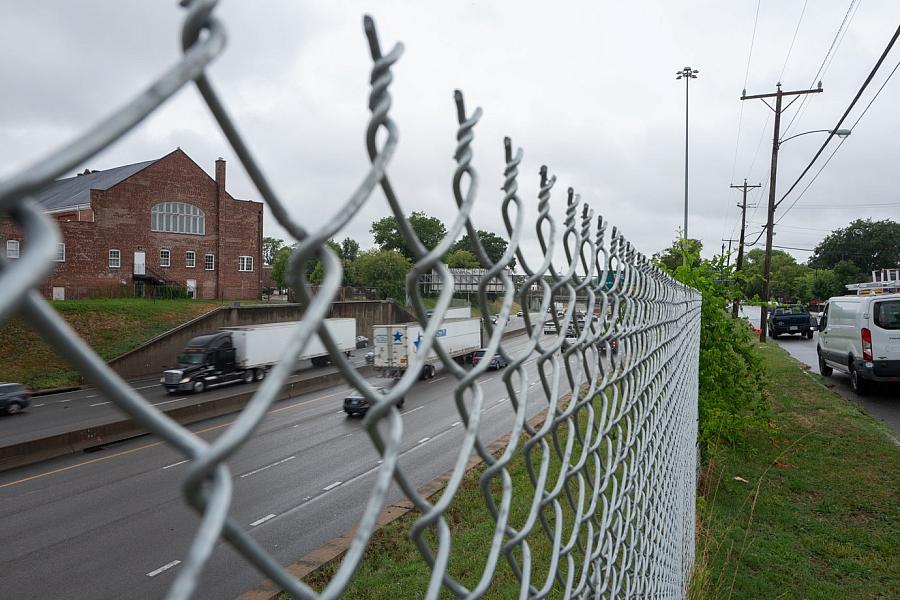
pixel 731 397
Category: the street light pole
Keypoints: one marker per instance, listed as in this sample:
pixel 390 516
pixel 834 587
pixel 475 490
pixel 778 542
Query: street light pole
pixel 687 74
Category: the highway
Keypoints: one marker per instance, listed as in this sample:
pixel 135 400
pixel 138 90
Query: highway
pixel 113 524
pixel 880 402
pixel 67 411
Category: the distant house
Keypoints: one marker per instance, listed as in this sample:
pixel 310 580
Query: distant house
pixel 139 228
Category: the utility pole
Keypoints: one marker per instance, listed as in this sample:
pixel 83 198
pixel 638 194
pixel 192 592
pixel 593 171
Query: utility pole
pixel 687 74
pixel 770 219
pixel 740 257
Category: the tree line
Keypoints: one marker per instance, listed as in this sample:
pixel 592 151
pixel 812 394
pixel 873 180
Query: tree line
pixel 847 255
pixel 384 267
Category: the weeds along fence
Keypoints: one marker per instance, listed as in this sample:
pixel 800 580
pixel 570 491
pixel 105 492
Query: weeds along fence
pixel 616 518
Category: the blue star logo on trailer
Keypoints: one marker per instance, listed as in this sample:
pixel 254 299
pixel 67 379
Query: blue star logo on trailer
pixel 418 340
pixel 397 336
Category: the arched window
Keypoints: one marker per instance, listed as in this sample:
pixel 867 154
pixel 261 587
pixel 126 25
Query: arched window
pixel 177 217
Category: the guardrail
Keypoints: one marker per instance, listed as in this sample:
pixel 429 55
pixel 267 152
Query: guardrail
pixel 629 460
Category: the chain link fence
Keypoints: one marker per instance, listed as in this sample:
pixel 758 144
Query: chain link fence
pixel 628 459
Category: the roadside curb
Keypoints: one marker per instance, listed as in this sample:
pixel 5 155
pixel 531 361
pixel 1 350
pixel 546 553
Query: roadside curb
pixel 33 451
pixel 335 549
pixel 48 391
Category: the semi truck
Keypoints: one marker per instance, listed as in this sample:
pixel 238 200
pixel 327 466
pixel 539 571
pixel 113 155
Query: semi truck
pixel 395 345
pixel 247 353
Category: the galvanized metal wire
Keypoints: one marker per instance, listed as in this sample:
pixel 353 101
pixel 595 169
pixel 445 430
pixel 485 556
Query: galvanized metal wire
pixel 616 511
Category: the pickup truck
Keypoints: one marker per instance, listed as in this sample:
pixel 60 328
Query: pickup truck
pixel 790 320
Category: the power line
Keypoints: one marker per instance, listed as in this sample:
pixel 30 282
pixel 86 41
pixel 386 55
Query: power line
pixel 856 98
pixel 821 70
pixel 794 39
pixel 838 147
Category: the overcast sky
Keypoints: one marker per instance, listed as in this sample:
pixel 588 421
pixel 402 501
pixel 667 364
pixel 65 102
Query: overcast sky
pixel 587 88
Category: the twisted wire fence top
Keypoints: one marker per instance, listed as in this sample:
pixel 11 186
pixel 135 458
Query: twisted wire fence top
pixel 611 465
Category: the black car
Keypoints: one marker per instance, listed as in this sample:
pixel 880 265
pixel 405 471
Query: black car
pixel 13 398
pixel 362 341
pixel 357 404
pixel 791 320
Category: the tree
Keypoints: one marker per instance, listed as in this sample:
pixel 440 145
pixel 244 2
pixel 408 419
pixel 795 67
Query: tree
pixel 494 246
pixel 672 257
pixel 384 270
pixel 787 279
pixel 870 245
pixel 462 259
pixel 270 248
pixel 430 230
pixel 349 249
pixel 279 266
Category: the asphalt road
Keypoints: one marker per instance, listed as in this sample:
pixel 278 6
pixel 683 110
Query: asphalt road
pixel 68 411
pixel 113 524
pixel 882 402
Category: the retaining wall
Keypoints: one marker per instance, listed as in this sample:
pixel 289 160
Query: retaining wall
pixel 158 354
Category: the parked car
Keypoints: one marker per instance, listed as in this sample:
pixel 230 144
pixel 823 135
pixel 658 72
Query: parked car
pixel 14 398
pixel 497 361
pixel 860 335
pixel 357 404
pixel 520 314
pixel 362 341
pixel 790 320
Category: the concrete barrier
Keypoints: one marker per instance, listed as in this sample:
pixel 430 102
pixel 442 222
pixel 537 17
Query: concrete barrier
pixel 33 451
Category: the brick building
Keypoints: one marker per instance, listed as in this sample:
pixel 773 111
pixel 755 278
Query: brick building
pixel 133 229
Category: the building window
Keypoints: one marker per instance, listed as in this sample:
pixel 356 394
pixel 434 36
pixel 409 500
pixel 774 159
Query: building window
pixel 12 248
pixel 190 259
pixel 115 259
pixel 209 262
pixel 165 258
pixel 60 252
pixel 177 217
pixel 245 263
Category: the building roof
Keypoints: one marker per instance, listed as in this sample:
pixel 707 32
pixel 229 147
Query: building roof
pixel 76 191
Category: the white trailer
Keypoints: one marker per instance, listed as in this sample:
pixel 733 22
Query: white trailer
pixel 264 345
pixel 396 345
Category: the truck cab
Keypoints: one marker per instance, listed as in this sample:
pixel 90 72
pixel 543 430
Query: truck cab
pixel 206 360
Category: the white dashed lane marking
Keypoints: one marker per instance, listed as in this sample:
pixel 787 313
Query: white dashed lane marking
pixel 262 520
pixel 332 486
pixel 165 567
pixel 274 464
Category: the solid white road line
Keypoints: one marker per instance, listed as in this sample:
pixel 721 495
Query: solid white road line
pixel 437 379
pixel 180 462
pixel 167 402
pixel 165 567
pixel 261 521
pixel 274 464
pixel 144 387
pixel 423 440
pixel 412 410
pixel 332 486
pixel 100 403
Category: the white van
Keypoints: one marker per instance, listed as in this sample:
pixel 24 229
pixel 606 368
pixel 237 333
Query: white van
pixel 860 335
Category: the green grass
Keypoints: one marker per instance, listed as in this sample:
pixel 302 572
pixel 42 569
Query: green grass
pixel 819 516
pixel 110 326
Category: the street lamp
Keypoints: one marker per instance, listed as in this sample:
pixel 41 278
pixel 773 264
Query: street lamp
pixel 687 74
pixel 841 133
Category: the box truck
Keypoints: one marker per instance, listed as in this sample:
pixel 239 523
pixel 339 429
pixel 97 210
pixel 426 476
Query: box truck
pixel 247 353
pixel 395 345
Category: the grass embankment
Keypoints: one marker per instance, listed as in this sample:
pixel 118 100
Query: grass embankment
pixel 817 514
pixel 111 327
